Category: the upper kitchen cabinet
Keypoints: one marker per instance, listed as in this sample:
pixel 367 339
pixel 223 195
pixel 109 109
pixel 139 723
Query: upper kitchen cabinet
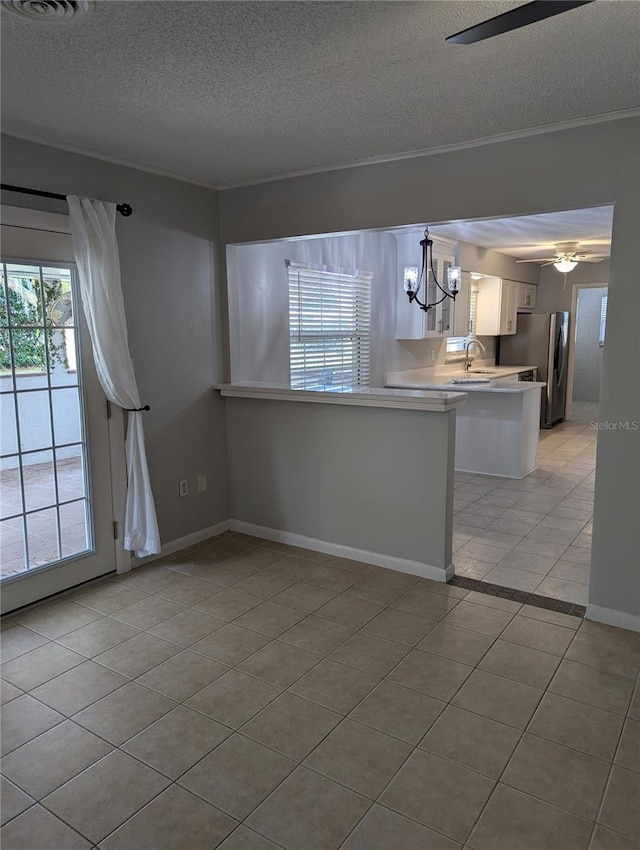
pixel 526 296
pixel 497 306
pixel 411 321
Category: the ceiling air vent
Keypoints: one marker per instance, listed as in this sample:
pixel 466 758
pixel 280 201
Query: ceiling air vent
pixel 54 11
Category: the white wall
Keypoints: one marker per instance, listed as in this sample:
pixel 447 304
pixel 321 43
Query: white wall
pixel 540 173
pixel 174 315
pixel 259 299
pixel 588 352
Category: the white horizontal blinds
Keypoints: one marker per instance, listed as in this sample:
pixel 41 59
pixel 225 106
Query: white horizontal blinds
pixel 603 319
pixel 329 328
pixel 473 311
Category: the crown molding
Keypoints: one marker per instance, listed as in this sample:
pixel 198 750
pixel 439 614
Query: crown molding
pixel 458 146
pixel 223 186
pixel 113 160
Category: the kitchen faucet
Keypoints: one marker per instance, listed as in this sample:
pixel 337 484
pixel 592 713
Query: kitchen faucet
pixel 467 359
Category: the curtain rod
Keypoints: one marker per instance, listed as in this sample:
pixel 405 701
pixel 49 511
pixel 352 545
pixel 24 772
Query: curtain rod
pixel 124 209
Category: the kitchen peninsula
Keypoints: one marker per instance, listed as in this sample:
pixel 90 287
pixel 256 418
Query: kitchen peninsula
pixel 497 429
pixel 366 475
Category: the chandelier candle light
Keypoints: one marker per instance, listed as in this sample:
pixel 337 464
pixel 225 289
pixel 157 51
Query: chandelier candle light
pixel 414 278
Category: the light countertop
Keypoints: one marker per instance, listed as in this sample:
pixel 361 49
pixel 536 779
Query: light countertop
pixel 498 379
pixel 411 398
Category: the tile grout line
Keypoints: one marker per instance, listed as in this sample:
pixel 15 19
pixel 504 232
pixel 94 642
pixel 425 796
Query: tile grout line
pixel 188 648
pixel 522 734
pixel 416 747
pixel 234 731
pixel 610 774
pixel 237 731
pixel 327 657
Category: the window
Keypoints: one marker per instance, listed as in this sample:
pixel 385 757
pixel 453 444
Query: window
pixel 603 319
pixel 456 344
pixel 329 328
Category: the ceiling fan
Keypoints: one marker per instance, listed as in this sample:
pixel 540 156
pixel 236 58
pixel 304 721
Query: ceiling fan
pixel 521 16
pixel 566 257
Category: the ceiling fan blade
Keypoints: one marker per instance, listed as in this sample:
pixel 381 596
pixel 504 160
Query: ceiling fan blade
pixel 590 259
pixel 538 260
pixel 538 10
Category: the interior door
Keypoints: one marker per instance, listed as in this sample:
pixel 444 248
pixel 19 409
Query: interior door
pixel 56 529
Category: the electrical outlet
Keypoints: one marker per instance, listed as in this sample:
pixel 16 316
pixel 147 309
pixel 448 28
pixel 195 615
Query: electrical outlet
pixel 183 487
pixel 433 355
pixel 202 483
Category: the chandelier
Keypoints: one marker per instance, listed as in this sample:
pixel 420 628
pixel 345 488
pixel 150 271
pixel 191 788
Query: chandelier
pixel 414 278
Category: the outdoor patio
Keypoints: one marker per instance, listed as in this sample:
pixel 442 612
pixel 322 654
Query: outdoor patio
pixel 42 531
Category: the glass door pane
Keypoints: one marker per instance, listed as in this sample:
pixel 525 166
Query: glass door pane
pixel 45 495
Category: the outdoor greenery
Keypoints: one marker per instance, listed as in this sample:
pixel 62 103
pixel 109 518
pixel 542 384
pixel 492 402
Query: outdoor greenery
pixel 28 326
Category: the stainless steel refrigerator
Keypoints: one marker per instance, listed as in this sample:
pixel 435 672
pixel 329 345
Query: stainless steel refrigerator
pixel 541 340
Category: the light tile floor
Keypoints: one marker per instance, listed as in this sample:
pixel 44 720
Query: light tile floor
pixel 533 534
pixel 243 695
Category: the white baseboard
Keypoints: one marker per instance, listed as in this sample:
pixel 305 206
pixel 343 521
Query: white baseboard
pixel 184 542
pixel 613 618
pixel 378 559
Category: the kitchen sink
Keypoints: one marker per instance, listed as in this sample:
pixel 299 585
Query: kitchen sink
pixel 483 372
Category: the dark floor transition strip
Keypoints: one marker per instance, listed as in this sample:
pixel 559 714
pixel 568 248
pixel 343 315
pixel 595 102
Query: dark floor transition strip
pixel 519 596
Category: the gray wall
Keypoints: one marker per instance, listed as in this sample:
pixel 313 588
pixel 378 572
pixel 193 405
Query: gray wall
pixel 540 173
pixel 370 478
pixel 588 363
pixel 473 258
pixel 553 294
pixel 174 315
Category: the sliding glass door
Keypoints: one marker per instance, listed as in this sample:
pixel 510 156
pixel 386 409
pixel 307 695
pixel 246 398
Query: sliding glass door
pixel 56 525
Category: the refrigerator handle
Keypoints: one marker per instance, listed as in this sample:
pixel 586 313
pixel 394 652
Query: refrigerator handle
pixel 561 353
pixel 550 370
pixel 557 355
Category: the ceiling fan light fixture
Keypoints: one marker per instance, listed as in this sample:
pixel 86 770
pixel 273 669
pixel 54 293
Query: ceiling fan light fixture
pixel 565 266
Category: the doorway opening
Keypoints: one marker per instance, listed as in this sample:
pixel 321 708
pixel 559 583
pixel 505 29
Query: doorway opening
pixel 589 308
pixel 534 535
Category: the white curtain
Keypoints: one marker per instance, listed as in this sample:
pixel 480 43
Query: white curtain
pixel 93 230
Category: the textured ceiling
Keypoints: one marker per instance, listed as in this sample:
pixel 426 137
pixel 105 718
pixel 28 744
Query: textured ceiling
pixel 529 236
pixel 229 92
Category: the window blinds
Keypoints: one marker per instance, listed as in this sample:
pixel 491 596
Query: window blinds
pixel 473 309
pixel 456 344
pixel 603 319
pixel 329 328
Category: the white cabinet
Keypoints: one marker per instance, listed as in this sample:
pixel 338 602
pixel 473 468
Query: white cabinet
pixel 497 307
pixel 411 321
pixel 527 296
pixel 508 306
